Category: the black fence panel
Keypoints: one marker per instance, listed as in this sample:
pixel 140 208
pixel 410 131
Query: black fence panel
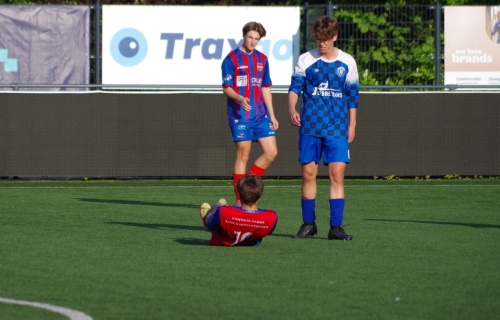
pixel 392 44
pixel 155 135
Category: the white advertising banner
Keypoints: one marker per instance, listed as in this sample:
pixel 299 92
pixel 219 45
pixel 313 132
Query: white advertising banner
pixel 185 45
pixel 472 45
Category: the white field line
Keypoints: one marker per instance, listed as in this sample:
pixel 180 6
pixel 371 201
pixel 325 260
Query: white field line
pixel 71 314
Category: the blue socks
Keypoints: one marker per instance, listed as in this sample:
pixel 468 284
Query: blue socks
pixel 308 213
pixel 336 212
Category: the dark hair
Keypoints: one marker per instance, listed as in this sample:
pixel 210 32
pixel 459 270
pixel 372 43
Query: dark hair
pixel 254 26
pixel 250 188
pixel 325 28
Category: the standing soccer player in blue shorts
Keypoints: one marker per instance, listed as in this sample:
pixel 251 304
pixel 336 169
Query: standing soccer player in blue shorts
pixel 327 78
pixel 247 84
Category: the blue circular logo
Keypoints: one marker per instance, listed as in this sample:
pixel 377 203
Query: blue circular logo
pixel 129 47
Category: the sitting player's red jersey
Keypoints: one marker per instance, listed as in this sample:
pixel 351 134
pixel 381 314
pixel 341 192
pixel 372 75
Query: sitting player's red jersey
pixel 231 226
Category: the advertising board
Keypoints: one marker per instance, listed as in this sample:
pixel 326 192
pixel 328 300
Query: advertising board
pixel 185 45
pixel 472 45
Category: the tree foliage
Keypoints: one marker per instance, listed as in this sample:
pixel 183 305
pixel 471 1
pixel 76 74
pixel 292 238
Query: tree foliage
pixel 392 45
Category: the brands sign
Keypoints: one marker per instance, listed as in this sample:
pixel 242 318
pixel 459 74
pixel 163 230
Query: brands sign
pixel 472 45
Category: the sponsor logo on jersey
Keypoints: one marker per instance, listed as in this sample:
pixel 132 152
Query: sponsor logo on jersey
pixel 341 72
pixel 241 81
pixel 256 82
pixel 227 78
pixel 322 90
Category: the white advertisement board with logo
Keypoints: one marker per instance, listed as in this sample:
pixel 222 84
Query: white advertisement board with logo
pixel 185 45
pixel 472 45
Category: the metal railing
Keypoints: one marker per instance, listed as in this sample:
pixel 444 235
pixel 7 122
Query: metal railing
pixel 68 88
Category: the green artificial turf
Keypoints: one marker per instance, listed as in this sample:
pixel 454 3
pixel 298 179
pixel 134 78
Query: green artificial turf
pixel 138 250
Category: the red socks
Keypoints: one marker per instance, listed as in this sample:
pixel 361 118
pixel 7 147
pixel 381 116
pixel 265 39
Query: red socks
pixel 236 177
pixel 254 170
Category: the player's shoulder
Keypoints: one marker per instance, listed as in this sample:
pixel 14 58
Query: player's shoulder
pixel 233 52
pixel 255 51
pixel 230 57
pixel 261 55
pixel 346 57
pixel 310 55
pixel 308 58
pixel 229 208
pixel 268 211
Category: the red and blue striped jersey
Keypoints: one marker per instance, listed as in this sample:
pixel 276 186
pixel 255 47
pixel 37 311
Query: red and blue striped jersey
pixel 246 74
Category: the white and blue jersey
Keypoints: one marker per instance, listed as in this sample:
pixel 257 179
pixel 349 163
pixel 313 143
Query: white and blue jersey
pixel 329 89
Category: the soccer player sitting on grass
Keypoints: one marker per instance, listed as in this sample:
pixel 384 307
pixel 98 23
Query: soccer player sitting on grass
pixel 240 226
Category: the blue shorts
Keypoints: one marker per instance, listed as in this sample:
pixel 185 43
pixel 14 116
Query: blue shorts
pixel 252 131
pixel 312 148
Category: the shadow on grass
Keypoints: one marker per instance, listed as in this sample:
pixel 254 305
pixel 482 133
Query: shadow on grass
pixel 142 203
pixel 290 236
pixel 474 225
pixel 193 241
pixel 163 226
pixel 160 226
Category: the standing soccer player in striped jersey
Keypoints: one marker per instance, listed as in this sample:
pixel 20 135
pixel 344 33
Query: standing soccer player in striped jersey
pixel 247 84
pixel 327 79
